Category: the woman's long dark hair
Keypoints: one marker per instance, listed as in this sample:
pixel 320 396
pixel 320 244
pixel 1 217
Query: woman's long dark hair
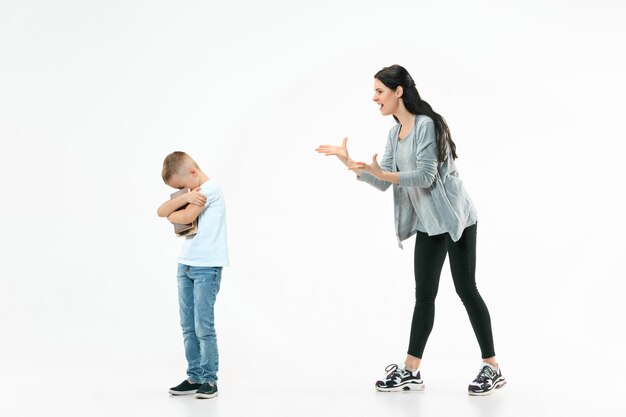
pixel 396 76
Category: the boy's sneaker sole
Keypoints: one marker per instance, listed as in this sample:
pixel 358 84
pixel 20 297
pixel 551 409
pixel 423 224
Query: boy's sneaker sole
pixel 206 396
pixel 499 384
pixel 411 386
pixel 174 392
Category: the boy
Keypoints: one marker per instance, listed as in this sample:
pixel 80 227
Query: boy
pixel 199 268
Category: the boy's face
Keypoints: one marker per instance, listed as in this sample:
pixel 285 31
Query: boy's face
pixel 189 180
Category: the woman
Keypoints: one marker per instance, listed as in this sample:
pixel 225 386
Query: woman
pixel 430 203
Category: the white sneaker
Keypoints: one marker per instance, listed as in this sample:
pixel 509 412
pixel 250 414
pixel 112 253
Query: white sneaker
pixel 400 379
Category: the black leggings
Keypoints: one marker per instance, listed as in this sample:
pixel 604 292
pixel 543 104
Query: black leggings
pixel 430 253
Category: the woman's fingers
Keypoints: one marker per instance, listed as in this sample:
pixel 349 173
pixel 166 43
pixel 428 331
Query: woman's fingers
pixel 332 148
pixel 323 149
pixel 327 152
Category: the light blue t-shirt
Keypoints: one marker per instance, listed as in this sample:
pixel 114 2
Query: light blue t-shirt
pixel 208 246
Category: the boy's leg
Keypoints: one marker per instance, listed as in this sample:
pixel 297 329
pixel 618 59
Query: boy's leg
pixel 206 286
pixel 187 322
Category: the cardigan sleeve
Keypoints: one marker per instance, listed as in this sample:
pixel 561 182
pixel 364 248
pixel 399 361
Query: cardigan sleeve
pixel 426 155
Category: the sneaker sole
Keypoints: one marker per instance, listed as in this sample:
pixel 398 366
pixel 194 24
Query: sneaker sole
pixel 182 392
pixel 498 385
pixel 206 396
pixel 402 388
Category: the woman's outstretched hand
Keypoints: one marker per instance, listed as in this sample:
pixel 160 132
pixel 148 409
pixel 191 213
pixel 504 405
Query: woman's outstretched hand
pixel 340 152
pixel 373 168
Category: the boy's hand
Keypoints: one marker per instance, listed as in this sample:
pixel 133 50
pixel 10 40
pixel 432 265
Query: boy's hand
pixel 196 198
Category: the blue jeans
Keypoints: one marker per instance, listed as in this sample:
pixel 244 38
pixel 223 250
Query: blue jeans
pixel 197 288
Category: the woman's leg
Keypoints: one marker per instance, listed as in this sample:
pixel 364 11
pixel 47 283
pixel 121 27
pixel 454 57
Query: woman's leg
pixel 463 267
pixel 429 256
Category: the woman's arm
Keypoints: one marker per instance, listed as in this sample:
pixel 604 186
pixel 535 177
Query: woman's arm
pixel 382 182
pixel 426 166
pixel 376 171
pixel 341 152
pixel 426 155
pixel 379 176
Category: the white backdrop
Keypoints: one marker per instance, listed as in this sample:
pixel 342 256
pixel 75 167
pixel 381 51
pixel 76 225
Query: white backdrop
pixel 318 299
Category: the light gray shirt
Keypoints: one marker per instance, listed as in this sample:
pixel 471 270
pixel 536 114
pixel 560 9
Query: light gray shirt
pixel 430 197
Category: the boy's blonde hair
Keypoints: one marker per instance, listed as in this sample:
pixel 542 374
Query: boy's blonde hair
pixel 174 163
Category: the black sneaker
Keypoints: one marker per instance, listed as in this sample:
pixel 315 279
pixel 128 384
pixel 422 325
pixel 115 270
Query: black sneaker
pixel 207 391
pixel 185 388
pixel 400 380
pixel 488 379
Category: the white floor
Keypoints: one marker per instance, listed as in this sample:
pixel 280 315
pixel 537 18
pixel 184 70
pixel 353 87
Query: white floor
pixel 64 388
pixel 150 399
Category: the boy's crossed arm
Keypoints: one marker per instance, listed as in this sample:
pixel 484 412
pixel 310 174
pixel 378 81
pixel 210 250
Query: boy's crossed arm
pixel 195 202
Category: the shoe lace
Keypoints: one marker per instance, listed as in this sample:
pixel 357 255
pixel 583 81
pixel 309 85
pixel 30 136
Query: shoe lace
pixel 485 374
pixel 392 371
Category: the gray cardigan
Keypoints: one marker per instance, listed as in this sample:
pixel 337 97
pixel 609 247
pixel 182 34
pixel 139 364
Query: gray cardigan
pixel 431 193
